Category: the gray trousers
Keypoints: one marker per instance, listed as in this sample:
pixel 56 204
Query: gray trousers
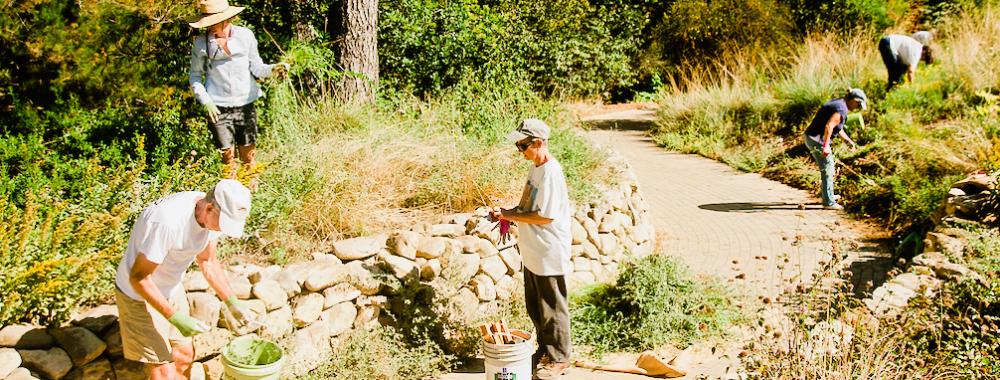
pixel 548 307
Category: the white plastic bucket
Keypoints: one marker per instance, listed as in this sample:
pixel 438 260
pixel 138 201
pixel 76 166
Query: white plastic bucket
pixel 509 361
pixel 240 370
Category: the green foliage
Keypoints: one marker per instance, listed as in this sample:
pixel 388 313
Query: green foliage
pixel 653 302
pixel 382 354
pixel 840 15
pixel 696 30
pixel 561 47
pixel 959 328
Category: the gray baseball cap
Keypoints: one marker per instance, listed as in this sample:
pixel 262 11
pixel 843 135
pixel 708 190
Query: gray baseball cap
pixel 857 93
pixel 533 128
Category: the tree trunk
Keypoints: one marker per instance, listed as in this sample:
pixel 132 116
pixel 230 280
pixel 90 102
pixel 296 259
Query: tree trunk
pixel 359 51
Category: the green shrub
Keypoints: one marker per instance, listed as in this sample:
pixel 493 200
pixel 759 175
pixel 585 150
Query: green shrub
pixel 654 302
pixel 840 15
pixel 560 47
pixel 382 354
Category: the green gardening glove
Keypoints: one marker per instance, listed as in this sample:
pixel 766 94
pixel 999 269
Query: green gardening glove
pixel 240 311
pixel 187 325
pixel 213 112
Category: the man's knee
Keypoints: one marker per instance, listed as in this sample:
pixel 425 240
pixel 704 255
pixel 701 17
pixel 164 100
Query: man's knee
pixel 164 371
pixel 183 354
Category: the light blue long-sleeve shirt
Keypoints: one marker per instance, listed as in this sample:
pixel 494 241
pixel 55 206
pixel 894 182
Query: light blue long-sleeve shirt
pixel 230 81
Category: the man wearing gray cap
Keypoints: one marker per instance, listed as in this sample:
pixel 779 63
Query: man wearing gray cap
pixel 169 235
pixel 545 240
pixel 827 125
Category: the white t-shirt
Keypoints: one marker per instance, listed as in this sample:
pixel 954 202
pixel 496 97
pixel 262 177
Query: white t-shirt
pixel 167 234
pixel 546 248
pixel 906 49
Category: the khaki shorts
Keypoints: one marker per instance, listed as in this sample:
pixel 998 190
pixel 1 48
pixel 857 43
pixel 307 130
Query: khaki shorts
pixel 147 336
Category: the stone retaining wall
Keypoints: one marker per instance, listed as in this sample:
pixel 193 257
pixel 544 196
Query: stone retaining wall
pixel 307 306
pixel 943 247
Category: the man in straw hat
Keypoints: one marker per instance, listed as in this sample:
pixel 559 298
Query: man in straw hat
pixel 545 241
pixel 224 67
pixel 167 237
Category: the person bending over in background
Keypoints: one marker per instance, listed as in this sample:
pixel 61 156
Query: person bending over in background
pixel 167 237
pixel 901 54
pixel 224 67
pixel 545 240
pixel 827 125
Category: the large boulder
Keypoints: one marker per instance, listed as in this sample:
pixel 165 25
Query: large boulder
pixel 399 266
pixel 359 248
pixel 362 278
pixel 581 264
pixel 98 319
pixel 9 361
pixel 484 288
pixel 25 337
pixel 195 282
pixel 271 293
pixel 430 269
pixel 288 283
pixel 945 244
pixel 512 258
pixel 339 318
pixel 20 374
pixel 506 288
pixel 240 285
pixel 113 338
pixel 81 344
pixel 53 363
pixel 404 244
pixel 130 370
pixel 99 369
pixel 324 276
pixel 433 247
pixel 447 230
pixel 464 306
pixel 579 233
pixel 307 309
pixel 277 323
pixel 205 307
pixel 210 342
pixel 267 273
pixel 494 267
pixel 459 268
pixel 310 347
pixel 342 292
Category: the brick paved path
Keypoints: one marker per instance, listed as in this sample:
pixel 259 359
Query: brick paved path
pixel 710 215
pixel 738 227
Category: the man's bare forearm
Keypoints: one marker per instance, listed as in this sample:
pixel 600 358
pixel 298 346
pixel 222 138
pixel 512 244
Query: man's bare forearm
pixel 148 290
pixel 525 217
pixel 216 278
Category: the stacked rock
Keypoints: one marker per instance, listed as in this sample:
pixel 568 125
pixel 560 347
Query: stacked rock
pixel 306 306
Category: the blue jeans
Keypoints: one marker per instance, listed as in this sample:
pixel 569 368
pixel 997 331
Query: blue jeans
pixel 826 167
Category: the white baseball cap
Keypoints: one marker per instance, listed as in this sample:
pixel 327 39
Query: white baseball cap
pixel 233 200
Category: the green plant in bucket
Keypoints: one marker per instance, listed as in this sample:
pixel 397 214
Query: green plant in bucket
pixel 250 351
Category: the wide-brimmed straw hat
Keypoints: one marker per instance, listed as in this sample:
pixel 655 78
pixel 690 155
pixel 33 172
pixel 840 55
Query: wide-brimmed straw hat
pixel 213 12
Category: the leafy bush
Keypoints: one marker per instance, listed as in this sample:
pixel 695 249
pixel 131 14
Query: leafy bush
pixel 840 15
pixel 382 354
pixel 653 302
pixel 561 47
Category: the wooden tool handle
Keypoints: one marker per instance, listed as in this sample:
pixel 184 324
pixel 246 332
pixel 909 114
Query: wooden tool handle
pixel 611 368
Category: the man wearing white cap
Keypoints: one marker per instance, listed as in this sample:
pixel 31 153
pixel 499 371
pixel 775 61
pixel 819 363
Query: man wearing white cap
pixel 167 237
pixel 545 240
pixel 224 67
pixel 901 55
